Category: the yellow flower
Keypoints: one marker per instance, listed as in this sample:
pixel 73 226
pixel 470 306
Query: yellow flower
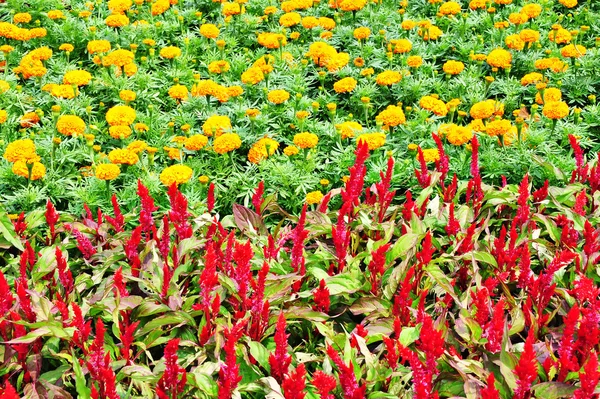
pixel 573 51
pixel 345 85
pixel 324 182
pixel 116 20
pixel 38 170
pixel 227 142
pixel 452 67
pixel 123 156
pixel 3 116
pixel 196 142
pixel 362 33
pixel 314 197
pixel 70 125
pixel 388 78
pixel 348 129
pixel 137 146
pixel 120 115
pixel 119 132
pixel 22 18
pixel 373 140
pixel 203 179
pixel 107 171
pixel 21 150
pixel 271 40
pixel 306 140
pixel 253 75
pixel 449 8
pixel 435 105
pixel 160 7
pixel 555 109
pixel 278 96
pixel 176 174
pixel 483 109
pixel 431 155
pixel 217 125
pixel 291 150
pixel 400 46
pixel 178 92
pixel 391 116
pixel 458 135
pixel 499 58
pixel 262 149
pixel 551 94
pixel 170 52
pixel 290 19
pixel 220 66
pixel 127 95
pixel 498 127
pixel 209 31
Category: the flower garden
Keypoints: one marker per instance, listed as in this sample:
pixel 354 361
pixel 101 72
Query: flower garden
pixel 338 199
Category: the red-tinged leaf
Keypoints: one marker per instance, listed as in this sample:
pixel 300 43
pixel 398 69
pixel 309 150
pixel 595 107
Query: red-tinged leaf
pixel 553 390
pixel 247 220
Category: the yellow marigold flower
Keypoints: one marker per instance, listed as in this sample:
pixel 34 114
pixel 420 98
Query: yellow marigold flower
pixel 301 115
pixel 407 24
pixel 345 85
pixel 435 105
pixel 458 135
pixel 431 33
pixel 170 52
pixel 196 142
pixel 235 91
pixel 306 140
pixel 116 20
pixel 414 61
pixel 98 46
pixel 291 150
pixel 119 6
pixel 431 155
pixel 324 182
pixel 271 40
pixel 63 91
pixel 452 67
pixel 349 5
pixel 3 116
pixel 227 142
pixel 70 125
pixel 22 18
pixel 560 36
pixel 262 149
pixel 514 42
pixel 123 156
pixel 294 35
pixel 337 62
pixel 321 53
pixel 217 125
pixel 137 146
pixel 518 18
pixel 176 174
pixel 38 170
pixel 66 47
pixel 449 8
pixel 573 51
pixel 252 113
pixel 56 14
pixel 555 109
pixel 568 3
pixel 388 78
pixel 498 127
pixel 412 147
pixel 119 132
pixel 278 96
pixel 326 23
pixel 529 35
pixel 120 58
pixel 362 33
pixel 532 10
pixel 270 10
pixel 314 197
pixel 219 66
pixel 160 7
pixel 391 116
pixel 120 115
pixel 203 179
pixel 4 86
pixel 253 75
pixel 172 152
pixel 531 78
pixel 21 150
pixel 499 58
pixel 373 140
pixel 348 129
pixel 230 9
pixel 209 31
pixel 30 119
pixel 77 78
pixel 107 171
pixel 141 127
pixel 290 19
pixel 483 109
pixel 127 95
pixel 178 92
pixel 551 94
pixel 400 46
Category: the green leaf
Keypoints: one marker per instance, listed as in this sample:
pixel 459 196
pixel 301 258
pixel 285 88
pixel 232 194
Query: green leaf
pixel 8 236
pixel 260 353
pixel 402 246
pixel 484 257
pixel 408 335
pixel 83 391
pixel 553 390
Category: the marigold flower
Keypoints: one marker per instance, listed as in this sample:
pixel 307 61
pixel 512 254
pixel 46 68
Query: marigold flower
pixel 291 150
pixel 458 135
pixel 483 109
pixel 391 116
pixel 388 78
pixel 452 67
pixel 70 125
pixel 262 149
pixel 127 95
pixel 400 46
pixel 176 174
pixel 573 51
pixel 21 150
pixel 119 132
pixel 560 36
pixel 568 3
pixel 555 109
pixel 203 179
pixel 160 7
pixel 450 8
pixel 498 127
pixel 532 78
pixel 306 140
pixel 532 10
pixel 407 24
pixel 98 46
pixel 77 78
pixel 30 119
pixel 38 170
pixel 529 35
pixel 230 9
pixel 431 155
pixel 551 94
pixel 22 18
pixel 271 40
pixel 178 92
pixel 514 42
pixel 120 58
pixel 314 197
pixel 117 20
pixel 120 115
pixel 217 125
pixel 278 96
pixel 119 6
pixel 107 171
pixel 227 142
pixel 170 52
pixel 123 157
pixel 66 47
pixel 196 142
pixel 3 116
pixel 345 85
pixel 435 105
pixel 253 75
pixel 373 140
pixel 348 129
pixel 137 146
pixel 499 58
pixel 518 18
pixel 414 61
pixel 362 33
pixel 326 23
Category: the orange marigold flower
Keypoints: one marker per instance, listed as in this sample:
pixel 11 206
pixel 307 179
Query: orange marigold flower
pixel 345 85
pixel 400 46
pixel 573 51
pixel 290 19
pixel 216 125
pixel 391 116
pixel 450 8
pixel 291 150
pixel 373 140
pixel 119 132
pixel 551 94
pixel 262 149
pixel 388 78
pixel 435 105
pixel 170 52
pixel 306 140
pixel 70 125
pixel 38 170
pixel 529 35
pixel 278 96
pixel 499 58
pixel 120 115
pixel 431 155
pixel 253 75
pixel 123 157
pixel 77 78
pixel 196 142
pixel 314 197
pixel 452 67
pixel 116 20
pixel 160 7
pixel 227 142
pixel 176 174
pixel 209 31
pixel 555 109
pixel 127 95
pixel 498 127
pixel 21 150
pixel 178 92
pixel 348 129
pixel 362 33
pixel 98 46
pixel 459 135
pixel 107 171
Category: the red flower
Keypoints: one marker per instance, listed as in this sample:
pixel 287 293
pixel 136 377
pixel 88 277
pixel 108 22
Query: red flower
pixel 294 383
pixel 173 380
pixel 280 360
pixel 526 370
pixel 257 197
pixel 119 221
pixel 490 391
pixel 324 383
pixel 348 381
